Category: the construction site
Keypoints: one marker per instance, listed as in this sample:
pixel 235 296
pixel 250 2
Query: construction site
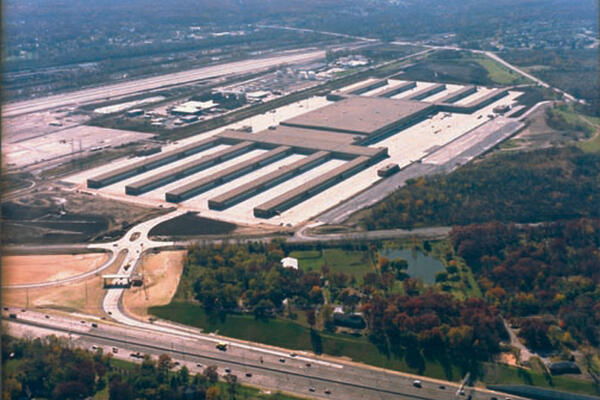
pixel 297 161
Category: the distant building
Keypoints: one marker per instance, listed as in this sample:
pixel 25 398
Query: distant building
pixel 135 112
pixel 289 262
pixel 193 107
pixel 257 95
pixel 189 118
pixel 501 109
pixel 389 169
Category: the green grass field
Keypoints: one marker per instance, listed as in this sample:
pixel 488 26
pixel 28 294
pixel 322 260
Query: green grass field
pixel 505 375
pixel 356 263
pixel 499 73
pixel 591 126
pixel 592 145
pixel 291 335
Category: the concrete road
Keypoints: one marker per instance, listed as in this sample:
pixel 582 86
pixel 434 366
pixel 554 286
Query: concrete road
pixel 146 84
pixel 304 234
pixel 268 367
pixel 135 242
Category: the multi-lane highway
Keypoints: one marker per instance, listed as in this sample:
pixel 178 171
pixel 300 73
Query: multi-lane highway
pixel 142 85
pixel 277 369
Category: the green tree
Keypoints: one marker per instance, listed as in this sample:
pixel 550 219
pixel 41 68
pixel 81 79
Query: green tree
pixel 211 374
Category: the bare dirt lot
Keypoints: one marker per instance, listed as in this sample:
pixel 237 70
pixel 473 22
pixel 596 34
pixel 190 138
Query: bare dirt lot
pixel 43 268
pixel 162 272
pixel 85 296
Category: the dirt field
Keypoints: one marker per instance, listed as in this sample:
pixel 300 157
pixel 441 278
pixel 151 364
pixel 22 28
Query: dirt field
pixel 162 272
pixel 85 296
pixel 43 268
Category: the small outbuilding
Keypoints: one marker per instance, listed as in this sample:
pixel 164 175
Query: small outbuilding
pixel 353 321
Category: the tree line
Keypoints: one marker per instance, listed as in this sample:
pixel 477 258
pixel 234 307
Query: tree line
pixel 546 277
pixel 51 368
pixel 542 185
pixel 431 325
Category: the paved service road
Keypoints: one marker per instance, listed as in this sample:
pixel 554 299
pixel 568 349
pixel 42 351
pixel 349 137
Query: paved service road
pixel 296 374
pixel 145 84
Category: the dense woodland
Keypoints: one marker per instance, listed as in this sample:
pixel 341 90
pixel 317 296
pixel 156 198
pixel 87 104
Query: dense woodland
pixel 430 325
pixel 51 368
pixel 549 270
pixel 542 185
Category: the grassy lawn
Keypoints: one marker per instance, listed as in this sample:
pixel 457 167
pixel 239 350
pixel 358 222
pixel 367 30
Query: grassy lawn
pixel 289 334
pixel 499 73
pixel 356 263
pixel 592 145
pixel 591 126
pixel 292 335
pixel 505 375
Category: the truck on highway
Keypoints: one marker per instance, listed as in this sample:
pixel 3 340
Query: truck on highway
pixel 222 346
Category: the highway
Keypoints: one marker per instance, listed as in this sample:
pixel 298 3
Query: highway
pixel 261 366
pixel 142 85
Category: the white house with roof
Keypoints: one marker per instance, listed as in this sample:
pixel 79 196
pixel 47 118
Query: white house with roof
pixel 289 262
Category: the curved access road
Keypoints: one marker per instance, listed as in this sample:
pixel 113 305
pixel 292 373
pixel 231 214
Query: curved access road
pixel 133 248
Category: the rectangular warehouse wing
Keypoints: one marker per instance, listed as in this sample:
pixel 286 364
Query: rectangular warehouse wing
pixel 139 167
pixel 397 89
pixel 264 182
pixel 457 95
pixel 310 188
pixel 428 91
pixel 218 178
pixel 187 169
pixel 366 87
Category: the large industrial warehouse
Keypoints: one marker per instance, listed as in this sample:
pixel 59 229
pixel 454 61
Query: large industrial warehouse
pixel 320 155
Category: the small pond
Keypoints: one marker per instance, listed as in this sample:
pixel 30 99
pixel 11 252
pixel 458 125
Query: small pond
pixel 420 266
